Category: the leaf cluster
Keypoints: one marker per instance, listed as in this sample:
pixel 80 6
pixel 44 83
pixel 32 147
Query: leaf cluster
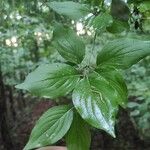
pixel 97 89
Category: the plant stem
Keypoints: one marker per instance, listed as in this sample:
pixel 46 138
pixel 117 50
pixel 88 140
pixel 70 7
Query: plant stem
pixel 94 39
pixel 93 47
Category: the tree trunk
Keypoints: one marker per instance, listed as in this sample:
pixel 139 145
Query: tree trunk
pixel 20 99
pixel 6 138
pixel 12 109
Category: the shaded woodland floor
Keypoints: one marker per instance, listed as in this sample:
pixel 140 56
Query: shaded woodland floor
pixel 127 136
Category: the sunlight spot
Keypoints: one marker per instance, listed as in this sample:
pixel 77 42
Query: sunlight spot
pixel 8 42
pixel 11 16
pixel 80 28
pixel 15 44
pixel 72 22
pixel 14 39
pixel 88 16
pixel 18 17
pixel 89 33
pixel 38 34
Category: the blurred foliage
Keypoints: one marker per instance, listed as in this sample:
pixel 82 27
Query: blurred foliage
pixel 25 33
pixel 138 79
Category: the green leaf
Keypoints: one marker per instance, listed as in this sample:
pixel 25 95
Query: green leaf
pixel 135 113
pixel 116 81
pixel 51 127
pixel 70 9
pixel 51 80
pixel 123 53
pixel 97 102
pixel 132 104
pixel 118 26
pixel 69 45
pixel 78 137
pixel 144 6
pixel 102 21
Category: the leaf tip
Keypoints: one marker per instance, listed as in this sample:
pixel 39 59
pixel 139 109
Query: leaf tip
pixel 20 86
pixel 30 146
pixel 112 133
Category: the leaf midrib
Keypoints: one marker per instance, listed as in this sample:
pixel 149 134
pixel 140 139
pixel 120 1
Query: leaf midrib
pixel 52 125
